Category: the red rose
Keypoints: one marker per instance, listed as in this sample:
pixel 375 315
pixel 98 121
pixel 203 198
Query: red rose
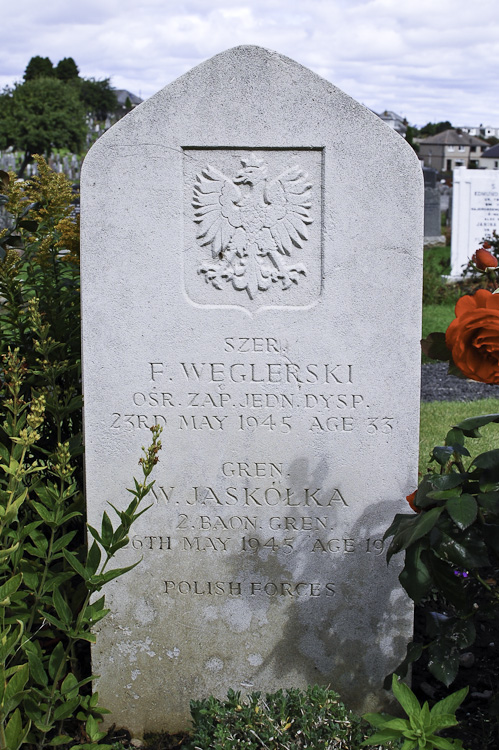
pixel 483 259
pixel 410 499
pixel 473 337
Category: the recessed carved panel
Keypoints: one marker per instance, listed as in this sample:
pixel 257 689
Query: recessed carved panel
pixel 252 222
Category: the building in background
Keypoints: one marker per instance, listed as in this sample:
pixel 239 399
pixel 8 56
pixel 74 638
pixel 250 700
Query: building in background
pixel 490 158
pixel 482 131
pixel 126 100
pixel 450 149
pixel 395 121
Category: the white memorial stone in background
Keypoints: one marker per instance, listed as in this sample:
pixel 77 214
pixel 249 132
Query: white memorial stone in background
pixel 251 280
pixel 475 213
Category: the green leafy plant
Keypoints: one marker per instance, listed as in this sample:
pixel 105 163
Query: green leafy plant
pixel 450 544
pixel 420 730
pixel 491 245
pixel 50 579
pixel 285 720
pixel 39 260
pixel 436 264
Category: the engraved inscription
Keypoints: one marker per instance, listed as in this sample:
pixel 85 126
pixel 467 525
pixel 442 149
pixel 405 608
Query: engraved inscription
pixel 252 588
pixel 245 396
pixel 285 545
pixel 252 506
pixel 252 224
pixel 484 210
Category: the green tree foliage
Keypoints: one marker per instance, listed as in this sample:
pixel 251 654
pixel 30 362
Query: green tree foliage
pixel 432 128
pixel 39 67
pixel 67 70
pixel 48 109
pixel 98 97
pixel 410 135
pixel 39 115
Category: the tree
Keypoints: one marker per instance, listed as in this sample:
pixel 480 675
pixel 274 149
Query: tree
pixel 98 97
pixel 39 115
pixel 432 128
pixel 39 67
pixel 67 70
pixel 410 135
pixel 5 117
pixel 48 110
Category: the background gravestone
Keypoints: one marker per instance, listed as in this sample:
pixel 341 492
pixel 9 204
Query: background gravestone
pixel 251 263
pixel 432 213
pixel 475 213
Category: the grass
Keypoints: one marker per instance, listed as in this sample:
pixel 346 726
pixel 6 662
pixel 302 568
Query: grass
pixel 439 299
pixel 437 417
pixel 436 318
pixel 437 259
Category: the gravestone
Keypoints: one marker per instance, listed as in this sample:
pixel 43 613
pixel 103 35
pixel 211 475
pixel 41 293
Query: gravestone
pixel 475 213
pixel 251 280
pixel 432 214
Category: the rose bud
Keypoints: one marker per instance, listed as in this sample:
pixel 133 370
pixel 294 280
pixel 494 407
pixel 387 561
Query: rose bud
pixel 486 244
pixel 410 499
pixel 483 259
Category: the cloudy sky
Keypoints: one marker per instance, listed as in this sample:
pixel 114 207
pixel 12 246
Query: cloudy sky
pixel 428 60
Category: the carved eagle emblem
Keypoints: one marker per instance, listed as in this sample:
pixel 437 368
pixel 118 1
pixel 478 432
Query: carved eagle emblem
pixel 252 225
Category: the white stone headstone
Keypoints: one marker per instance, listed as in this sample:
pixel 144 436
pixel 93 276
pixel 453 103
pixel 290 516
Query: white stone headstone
pixel 251 279
pixel 475 213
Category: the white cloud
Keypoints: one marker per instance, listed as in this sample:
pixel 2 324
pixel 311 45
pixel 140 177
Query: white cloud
pixel 427 59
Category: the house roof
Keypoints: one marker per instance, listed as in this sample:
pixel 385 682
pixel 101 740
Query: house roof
pixel 123 94
pixel 491 153
pixel 388 114
pixel 452 137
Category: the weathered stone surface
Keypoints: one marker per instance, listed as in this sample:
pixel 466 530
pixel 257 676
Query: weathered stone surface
pixel 251 261
pixel 475 213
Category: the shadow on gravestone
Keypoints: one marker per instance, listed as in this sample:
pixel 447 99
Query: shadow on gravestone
pixel 251 280
pixel 316 641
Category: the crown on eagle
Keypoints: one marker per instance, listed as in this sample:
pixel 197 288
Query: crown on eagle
pixel 253 160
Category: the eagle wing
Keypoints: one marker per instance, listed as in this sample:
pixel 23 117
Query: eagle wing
pixel 216 212
pixel 288 213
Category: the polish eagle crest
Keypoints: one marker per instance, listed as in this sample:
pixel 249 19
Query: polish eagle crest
pixel 253 230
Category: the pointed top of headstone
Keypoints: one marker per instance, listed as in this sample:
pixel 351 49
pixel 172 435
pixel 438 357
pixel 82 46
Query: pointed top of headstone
pixel 269 91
